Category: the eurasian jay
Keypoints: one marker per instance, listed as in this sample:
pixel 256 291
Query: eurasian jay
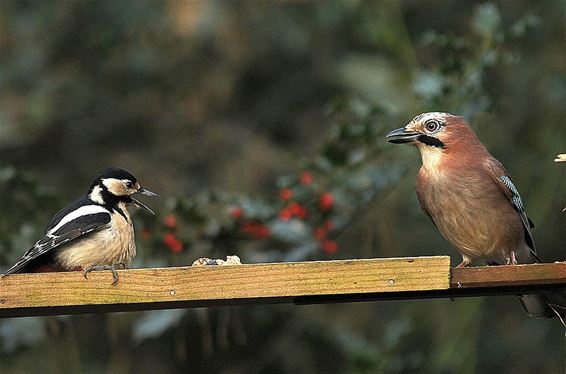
pixel 470 198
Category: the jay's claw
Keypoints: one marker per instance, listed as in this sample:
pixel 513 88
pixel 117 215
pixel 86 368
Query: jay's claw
pixel 511 260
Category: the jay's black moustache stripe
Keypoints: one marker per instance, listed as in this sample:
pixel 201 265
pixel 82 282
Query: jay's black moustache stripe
pixel 429 140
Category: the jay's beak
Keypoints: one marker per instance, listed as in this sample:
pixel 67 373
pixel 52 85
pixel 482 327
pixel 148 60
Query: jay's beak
pixel 138 203
pixel 400 136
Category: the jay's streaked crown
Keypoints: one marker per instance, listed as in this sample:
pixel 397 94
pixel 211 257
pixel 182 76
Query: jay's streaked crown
pixel 428 129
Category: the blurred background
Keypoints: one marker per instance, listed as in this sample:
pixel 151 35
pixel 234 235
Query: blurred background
pixel 262 124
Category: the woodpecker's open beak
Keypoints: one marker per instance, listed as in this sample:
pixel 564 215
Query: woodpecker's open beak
pixel 400 136
pixel 146 192
pixel 138 203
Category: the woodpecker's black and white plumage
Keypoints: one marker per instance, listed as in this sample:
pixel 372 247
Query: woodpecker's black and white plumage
pixel 93 233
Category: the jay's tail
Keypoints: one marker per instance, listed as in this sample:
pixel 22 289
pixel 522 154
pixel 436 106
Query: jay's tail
pixel 545 305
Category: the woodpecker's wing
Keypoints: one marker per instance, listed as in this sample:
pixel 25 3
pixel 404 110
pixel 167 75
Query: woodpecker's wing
pixel 499 175
pixel 73 222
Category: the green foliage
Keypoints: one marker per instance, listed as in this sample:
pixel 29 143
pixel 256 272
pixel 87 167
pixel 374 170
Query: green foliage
pixel 24 204
pixel 262 125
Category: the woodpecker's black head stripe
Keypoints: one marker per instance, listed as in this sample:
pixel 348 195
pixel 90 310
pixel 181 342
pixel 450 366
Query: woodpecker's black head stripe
pixel 120 211
pixel 117 173
pixel 108 173
pixel 430 140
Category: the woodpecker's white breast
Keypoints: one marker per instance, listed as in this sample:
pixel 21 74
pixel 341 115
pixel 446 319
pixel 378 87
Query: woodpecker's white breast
pixel 111 244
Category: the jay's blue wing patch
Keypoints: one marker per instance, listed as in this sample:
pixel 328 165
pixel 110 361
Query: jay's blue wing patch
pixel 515 197
pixel 72 230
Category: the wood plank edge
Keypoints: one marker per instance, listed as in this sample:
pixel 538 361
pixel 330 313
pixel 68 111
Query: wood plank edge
pixel 297 300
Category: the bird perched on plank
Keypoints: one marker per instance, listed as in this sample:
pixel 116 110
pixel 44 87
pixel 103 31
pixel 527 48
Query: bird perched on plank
pixel 93 233
pixel 470 197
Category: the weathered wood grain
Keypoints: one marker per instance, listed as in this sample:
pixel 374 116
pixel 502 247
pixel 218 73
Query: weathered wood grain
pixel 299 282
pixel 509 275
pixel 141 289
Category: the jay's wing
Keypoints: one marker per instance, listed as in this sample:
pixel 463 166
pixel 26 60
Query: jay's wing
pixel 424 209
pixel 419 189
pixel 71 227
pixel 499 175
pixel 540 305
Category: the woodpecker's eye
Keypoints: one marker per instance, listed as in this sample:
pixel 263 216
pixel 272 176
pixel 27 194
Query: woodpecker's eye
pixel 129 184
pixel 432 125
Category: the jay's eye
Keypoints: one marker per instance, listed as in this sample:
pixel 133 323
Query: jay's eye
pixel 432 125
pixel 129 184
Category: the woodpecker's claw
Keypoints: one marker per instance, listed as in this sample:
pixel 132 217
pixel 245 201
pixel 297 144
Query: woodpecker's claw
pixel 112 268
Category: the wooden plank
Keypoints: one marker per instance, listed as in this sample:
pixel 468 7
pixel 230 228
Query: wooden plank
pixel 509 275
pixel 142 289
pixel 474 281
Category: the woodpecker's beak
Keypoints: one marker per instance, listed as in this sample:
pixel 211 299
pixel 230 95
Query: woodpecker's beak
pixel 138 203
pixel 400 136
pixel 143 191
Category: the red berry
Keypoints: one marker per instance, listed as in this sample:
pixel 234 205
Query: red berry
pixel 237 213
pixel 297 210
pixel 171 241
pixel 256 230
pixel 170 221
pixel 286 194
pixel 305 178
pixel 261 231
pixel 320 233
pixel 285 214
pixel 326 202
pixel 303 212
pixel 169 238
pixel 329 246
pixel 294 209
pixel 247 227
pixel 177 246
